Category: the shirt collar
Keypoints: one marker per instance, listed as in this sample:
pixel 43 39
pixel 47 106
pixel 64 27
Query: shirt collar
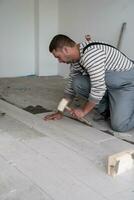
pixel 82 45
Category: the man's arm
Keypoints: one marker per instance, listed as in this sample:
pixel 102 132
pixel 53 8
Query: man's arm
pixel 88 107
pixel 94 64
pixel 81 112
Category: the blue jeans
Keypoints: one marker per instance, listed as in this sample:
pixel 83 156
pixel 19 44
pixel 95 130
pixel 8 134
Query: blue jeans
pixel 119 97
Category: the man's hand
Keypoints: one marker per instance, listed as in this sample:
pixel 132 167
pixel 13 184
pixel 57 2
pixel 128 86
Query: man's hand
pixel 81 112
pixel 77 113
pixel 54 116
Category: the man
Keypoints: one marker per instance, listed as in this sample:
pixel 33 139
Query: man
pixel 97 70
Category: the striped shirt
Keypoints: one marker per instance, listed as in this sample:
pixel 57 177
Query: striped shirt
pixel 95 61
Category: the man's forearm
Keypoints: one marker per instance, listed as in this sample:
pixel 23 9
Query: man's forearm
pixel 88 107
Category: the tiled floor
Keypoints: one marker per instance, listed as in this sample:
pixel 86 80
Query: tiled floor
pixel 57 160
pixel 47 92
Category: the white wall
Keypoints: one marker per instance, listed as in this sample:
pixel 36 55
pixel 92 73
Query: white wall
pixel 26 28
pixel 16 38
pixel 48 27
pixel 100 18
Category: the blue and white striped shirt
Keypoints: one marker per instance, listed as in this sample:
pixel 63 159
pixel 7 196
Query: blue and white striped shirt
pixel 95 61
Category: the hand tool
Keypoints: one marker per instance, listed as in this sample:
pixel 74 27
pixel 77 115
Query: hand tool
pixel 64 105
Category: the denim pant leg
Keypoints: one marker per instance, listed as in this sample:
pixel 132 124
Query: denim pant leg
pixel 121 99
pixel 103 104
pixel 82 86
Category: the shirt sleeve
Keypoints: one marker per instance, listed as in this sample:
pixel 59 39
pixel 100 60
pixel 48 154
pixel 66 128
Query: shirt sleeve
pixel 94 63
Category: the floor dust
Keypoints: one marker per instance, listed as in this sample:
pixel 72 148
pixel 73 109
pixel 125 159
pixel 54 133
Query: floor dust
pixel 42 94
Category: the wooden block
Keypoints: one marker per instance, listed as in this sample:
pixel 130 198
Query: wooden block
pixel 120 162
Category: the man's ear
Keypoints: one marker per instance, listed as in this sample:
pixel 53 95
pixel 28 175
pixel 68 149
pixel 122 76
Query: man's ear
pixel 65 50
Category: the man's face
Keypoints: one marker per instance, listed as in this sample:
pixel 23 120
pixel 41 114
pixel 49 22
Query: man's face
pixel 63 55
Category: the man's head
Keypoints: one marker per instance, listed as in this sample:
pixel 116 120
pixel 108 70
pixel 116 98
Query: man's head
pixel 64 49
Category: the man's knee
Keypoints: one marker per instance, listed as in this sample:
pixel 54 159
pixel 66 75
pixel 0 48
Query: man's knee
pixel 118 125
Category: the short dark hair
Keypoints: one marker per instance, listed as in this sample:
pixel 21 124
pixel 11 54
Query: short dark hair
pixel 59 41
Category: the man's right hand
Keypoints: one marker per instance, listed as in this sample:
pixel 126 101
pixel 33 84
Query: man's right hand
pixel 54 116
